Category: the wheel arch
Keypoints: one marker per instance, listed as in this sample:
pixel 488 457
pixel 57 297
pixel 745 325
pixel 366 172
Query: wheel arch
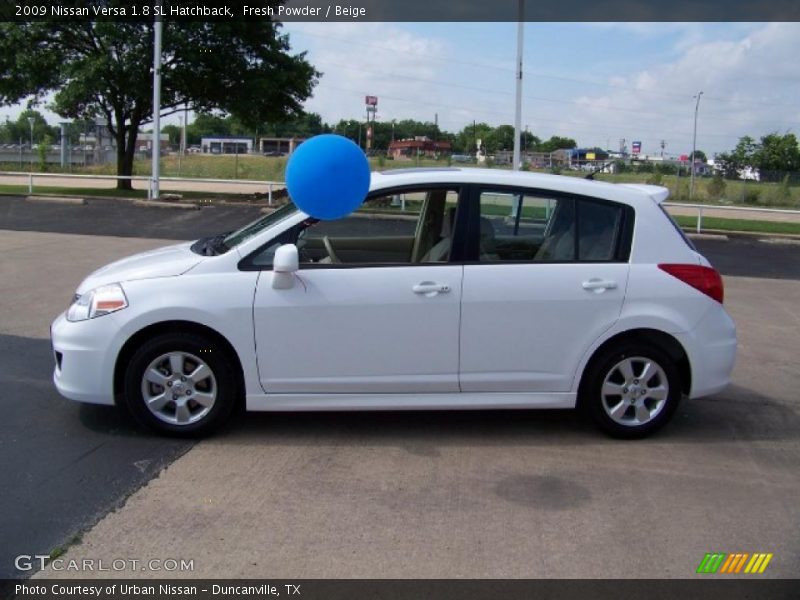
pixel 664 341
pixel 176 326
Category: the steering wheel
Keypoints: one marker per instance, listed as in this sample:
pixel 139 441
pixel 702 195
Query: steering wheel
pixel 329 249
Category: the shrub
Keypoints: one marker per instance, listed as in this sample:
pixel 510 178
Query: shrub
pixel 41 151
pixel 779 194
pixel 750 195
pixel 715 190
pixel 681 192
pixel 655 179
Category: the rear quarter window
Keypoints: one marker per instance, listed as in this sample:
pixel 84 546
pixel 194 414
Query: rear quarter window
pixel 677 228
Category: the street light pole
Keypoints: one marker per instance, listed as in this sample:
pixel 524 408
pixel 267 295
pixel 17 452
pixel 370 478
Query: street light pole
pixel 180 144
pixel 518 112
pixel 154 183
pixel 30 122
pixel 694 145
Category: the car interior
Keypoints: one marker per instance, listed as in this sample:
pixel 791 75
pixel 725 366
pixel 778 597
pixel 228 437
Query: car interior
pixel 417 227
pixel 421 234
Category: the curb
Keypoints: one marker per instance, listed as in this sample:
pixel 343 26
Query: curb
pixel 56 199
pixel 162 204
pixel 727 233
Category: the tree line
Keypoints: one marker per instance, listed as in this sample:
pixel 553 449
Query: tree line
pixel 493 139
pixel 239 77
pixel 771 153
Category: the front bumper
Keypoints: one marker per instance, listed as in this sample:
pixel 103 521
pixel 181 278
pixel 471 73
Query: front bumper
pixel 85 354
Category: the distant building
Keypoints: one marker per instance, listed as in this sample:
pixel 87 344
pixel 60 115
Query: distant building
pixel 226 144
pixel 274 146
pixel 144 142
pixel 418 146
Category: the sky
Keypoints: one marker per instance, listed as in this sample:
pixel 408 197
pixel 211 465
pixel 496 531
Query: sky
pixel 595 82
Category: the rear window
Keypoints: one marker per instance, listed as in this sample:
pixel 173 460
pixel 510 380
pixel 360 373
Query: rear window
pixel 677 228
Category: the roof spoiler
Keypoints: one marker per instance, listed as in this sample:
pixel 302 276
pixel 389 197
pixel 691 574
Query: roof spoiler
pixel 656 192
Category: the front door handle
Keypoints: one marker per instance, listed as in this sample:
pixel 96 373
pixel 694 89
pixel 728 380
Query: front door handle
pixel 599 285
pixel 430 288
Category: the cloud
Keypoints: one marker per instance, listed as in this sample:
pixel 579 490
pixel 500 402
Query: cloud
pixel 359 59
pixel 749 86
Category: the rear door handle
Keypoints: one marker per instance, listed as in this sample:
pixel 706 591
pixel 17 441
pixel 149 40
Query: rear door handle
pixel 430 288
pixel 598 285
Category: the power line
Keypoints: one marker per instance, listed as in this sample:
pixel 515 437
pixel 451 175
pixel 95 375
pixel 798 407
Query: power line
pixel 499 66
pixel 506 114
pixel 559 101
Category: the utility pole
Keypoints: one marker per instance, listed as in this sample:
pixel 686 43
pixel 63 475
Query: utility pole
pixel 518 112
pixel 663 145
pixel 694 145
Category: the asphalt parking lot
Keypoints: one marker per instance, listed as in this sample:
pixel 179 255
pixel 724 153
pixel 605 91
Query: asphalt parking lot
pixel 484 494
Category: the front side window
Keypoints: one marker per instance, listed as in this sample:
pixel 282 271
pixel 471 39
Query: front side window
pixel 536 227
pixel 411 226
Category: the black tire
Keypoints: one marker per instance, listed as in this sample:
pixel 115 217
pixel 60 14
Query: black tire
pixel 222 384
pixel 598 405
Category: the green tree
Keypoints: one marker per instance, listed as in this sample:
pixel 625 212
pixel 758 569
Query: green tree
pixel 174 132
pixel 206 125
pixel 304 125
pixel 501 138
pixel 466 139
pixel 530 142
pixel 701 156
pixel 556 143
pixel 103 68
pixel 741 157
pixel 778 153
pixel 11 132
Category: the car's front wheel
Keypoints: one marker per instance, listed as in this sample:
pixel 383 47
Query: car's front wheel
pixel 180 384
pixel 632 390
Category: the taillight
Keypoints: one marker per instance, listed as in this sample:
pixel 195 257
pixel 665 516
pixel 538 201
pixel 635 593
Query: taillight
pixel 704 279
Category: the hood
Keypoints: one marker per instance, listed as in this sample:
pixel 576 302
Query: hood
pixel 161 262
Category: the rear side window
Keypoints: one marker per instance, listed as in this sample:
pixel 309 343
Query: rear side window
pixel 598 230
pixel 526 226
pixel 677 228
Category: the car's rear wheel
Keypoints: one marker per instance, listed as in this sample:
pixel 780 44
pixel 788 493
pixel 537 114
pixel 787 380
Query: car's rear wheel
pixel 180 384
pixel 632 390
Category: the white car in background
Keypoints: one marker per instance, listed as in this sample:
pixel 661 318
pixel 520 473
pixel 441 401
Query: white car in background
pixel 449 289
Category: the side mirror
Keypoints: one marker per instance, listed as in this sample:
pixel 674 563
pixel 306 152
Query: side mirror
pixel 284 265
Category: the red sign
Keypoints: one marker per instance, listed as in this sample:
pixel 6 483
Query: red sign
pixel 684 157
pixel 636 147
pixel 371 101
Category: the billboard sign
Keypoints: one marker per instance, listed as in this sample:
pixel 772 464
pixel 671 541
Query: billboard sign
pixel 636 147
pixel 371 101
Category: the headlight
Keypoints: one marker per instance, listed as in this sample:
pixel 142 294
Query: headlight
pixel 97 302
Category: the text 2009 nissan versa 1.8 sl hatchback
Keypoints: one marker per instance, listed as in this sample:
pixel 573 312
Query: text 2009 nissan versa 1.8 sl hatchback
pixel 447 289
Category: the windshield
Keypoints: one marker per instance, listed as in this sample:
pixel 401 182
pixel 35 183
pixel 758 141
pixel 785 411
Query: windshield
pixel 245 233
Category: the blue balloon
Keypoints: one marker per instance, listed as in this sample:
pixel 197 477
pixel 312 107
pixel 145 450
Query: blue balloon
pixel 328 177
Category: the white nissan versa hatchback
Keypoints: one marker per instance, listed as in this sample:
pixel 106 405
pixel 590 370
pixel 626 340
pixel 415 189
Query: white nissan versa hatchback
pixel 448 289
